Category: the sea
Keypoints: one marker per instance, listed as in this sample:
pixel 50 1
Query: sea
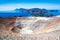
pixel 7 14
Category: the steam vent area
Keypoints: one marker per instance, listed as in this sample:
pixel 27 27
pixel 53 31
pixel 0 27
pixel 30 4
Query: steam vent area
pixel 30 28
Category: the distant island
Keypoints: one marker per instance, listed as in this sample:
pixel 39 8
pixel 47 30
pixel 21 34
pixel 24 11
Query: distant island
pixel 34 12
pixel 39 12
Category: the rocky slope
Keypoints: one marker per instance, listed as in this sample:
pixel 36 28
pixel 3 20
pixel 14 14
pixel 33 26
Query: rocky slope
pixel 30 28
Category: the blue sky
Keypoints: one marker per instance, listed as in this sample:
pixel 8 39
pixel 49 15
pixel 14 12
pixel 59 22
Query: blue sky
pixel 13 4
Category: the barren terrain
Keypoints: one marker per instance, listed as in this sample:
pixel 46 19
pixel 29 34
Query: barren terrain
pixel 30 28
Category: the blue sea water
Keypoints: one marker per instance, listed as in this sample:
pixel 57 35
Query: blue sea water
pixel 54 13
pixel 14 14
pixel 5 14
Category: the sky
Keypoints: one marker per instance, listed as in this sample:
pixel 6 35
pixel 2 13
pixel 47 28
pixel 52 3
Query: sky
pixel 13 4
